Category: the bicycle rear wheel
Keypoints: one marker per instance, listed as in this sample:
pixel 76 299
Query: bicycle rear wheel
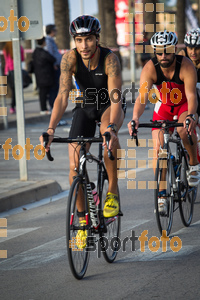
pixel 187 194
pixel 78 258
pixel 163 178
pixel 110 241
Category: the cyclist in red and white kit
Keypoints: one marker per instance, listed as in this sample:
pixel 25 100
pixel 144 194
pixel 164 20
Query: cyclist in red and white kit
pixel 175 78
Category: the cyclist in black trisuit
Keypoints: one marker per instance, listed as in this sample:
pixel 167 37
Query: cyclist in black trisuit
pixel 97 74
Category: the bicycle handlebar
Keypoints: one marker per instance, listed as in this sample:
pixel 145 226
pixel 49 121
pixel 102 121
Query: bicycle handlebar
pixel 160 124
pixel 76 140
pixel 46 139
pixel 187 122
pixel 107 136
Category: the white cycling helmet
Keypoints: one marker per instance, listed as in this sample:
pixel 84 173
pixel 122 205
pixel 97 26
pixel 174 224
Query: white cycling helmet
pixel 192 38
pixel 164 39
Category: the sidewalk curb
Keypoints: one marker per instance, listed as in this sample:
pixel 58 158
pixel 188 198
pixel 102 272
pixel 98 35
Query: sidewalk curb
pixel 34 119
pixel 28 194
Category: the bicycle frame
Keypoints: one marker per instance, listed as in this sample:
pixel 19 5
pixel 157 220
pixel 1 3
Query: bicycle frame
pixel 178 152
pixel 172 183
pixel 91 214
pixel 90 205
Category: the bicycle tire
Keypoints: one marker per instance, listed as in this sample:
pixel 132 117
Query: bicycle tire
pixel 187 194
pixel 78 258
pixel 110 241
pixel 164 221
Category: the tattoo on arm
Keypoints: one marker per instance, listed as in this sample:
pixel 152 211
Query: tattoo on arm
pixel 113 66
pixel 67 65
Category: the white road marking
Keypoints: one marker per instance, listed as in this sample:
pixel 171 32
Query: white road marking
pixel 128 225
pixel 33 258
pixel 13 233
pixel 55 249
pixel 148 255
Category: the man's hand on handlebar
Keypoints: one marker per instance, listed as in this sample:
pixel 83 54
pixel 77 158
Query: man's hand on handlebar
pixel 189 124
pixel 107 137
pixel 113 140
pixel 132 128
pixel 50 139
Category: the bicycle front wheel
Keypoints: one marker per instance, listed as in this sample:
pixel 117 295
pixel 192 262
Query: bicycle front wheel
pixel 78 257
pixel 163 178
pixel 109 240
pixel 187 194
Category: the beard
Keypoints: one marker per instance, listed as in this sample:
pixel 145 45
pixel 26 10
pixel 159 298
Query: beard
pixel 168 62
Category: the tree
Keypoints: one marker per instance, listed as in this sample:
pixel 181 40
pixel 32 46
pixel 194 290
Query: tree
pixel 61 15
pixel 181 20
pixel 108 29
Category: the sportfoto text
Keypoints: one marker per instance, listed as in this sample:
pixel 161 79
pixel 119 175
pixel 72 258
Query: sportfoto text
pixel 92 95
pixel 18 150
pixel 153 244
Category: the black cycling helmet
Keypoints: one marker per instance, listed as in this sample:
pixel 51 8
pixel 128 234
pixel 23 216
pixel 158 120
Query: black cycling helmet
pixel 164 39
pixel 85 25
pixel 192 38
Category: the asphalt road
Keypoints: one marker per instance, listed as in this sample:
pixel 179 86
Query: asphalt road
pixel 37 266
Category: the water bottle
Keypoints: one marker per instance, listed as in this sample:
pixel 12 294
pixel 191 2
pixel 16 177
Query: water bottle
pixel 95 195
pixel 92 206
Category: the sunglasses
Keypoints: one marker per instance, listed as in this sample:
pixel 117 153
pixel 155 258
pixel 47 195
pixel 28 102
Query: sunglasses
pixel 160 54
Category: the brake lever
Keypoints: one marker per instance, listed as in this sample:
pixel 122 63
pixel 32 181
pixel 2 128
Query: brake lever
pixel 187 122
pixel 134 134
pixel 107 136
pixel 46 140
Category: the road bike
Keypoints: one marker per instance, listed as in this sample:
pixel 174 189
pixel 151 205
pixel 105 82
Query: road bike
pixel 171 174
pixel 108 229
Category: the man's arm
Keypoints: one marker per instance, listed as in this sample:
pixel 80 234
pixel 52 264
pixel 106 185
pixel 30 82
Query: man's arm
pixel 67 66
pixel 147 79
pixel 188 75
pixel 67 69
pixel 113 70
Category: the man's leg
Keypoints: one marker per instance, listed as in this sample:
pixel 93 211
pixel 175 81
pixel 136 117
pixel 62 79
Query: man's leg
pixel 74 164
pixel 81 236
pixel 111 165
pixel 191 149
pixel 158 140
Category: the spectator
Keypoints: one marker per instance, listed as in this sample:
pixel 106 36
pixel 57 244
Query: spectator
pixel 43 64
pixel 9 71
pixel 53 50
